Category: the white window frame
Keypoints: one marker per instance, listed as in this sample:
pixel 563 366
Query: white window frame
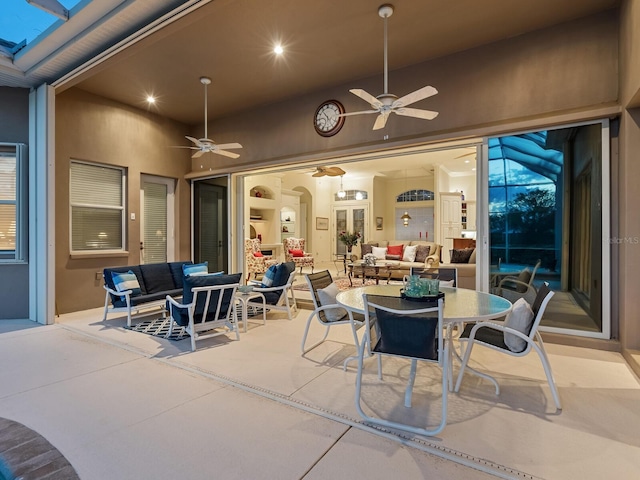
pixel 122 208
pixel 18 255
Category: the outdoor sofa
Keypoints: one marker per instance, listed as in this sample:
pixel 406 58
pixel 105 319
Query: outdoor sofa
pixel 150 287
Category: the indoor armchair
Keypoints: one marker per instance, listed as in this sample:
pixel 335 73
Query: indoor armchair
pixel 256 261
pixel 294 252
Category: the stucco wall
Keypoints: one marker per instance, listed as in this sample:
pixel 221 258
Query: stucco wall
pixel 560 69
pixel 627 181
pixel 14 128
pixel 94 129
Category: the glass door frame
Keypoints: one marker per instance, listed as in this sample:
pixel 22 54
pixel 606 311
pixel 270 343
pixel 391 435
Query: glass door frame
pixel 482 189
pixel 350 206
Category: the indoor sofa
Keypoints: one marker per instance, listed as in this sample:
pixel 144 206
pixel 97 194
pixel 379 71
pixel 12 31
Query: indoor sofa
pixel 431 261
pixel 154 282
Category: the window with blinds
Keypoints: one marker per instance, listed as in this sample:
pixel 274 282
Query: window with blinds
pixel 97 207
pixel 8 201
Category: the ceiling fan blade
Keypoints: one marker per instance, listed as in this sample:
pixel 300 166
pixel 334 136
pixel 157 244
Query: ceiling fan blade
pixel 424 92
pixel 225 153
pixel 199 153
pixel 335 171
pixel 367 97
pixel 347 114
pixel 228 146
pixel 194 140
pixel 319 174
pixel 381 121
pixel 417 113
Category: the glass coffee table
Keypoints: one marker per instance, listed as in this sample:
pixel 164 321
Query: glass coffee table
pixel 379 270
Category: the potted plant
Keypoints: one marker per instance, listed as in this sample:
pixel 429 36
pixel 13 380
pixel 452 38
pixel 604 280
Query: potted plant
pixel 349 239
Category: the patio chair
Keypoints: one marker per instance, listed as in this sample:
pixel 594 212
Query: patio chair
pixel 277 293
pixel 516 337
pixel 294 252
pixel 327 312
pixel 408 330
pixel 207 305
pixel 513 287
pixel 443 274
pixel 256 264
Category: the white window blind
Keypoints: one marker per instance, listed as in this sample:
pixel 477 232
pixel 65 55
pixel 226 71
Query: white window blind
pixel 8 202
pixel 155 222
pixel 97 207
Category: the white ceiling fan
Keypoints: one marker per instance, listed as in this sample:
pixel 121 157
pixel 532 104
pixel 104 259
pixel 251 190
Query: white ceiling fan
pixel 205 145
pixel 387 103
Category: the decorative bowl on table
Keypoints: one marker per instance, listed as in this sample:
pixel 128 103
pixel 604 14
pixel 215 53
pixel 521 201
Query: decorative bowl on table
pixel 245 289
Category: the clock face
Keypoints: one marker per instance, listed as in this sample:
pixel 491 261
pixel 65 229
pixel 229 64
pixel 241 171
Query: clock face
pixel 326 120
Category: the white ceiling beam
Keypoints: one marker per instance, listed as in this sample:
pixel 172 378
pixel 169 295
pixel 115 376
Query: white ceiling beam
pixel 54 7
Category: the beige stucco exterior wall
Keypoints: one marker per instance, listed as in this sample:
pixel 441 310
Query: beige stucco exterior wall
pixel 628 179
pixel 93 129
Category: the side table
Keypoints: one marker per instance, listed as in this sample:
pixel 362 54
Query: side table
pixel 243 299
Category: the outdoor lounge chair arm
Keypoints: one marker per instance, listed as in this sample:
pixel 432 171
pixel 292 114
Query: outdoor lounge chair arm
pixel 126 293
pixel 497 326
pixel 173 302
pixel 270 289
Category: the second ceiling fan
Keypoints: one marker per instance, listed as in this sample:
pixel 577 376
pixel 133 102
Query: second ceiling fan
pixel 388 103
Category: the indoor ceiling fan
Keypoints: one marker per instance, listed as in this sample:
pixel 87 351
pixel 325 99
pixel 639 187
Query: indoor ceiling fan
pixel 388 103
pixel 206 145
pixel 328 171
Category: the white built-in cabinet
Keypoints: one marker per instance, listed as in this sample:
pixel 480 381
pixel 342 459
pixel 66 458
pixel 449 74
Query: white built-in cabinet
pixel 450 221
pixel 468 215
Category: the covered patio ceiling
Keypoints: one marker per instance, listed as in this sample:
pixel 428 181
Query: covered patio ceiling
pixel 162 47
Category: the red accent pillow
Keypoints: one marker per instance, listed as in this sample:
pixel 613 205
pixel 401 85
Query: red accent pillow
pixel 395 249
pixel 258 254
pixel 296 253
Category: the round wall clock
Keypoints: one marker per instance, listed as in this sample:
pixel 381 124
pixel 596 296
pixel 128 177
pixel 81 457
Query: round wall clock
pixel 326 120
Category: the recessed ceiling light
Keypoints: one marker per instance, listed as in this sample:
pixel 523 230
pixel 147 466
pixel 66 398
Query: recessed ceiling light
pixel 278 50
pixel 473 169
pixel 151 99
pixel 466 161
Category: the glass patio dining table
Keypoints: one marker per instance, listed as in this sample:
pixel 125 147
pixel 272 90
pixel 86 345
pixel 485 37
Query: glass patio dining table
pixel 461 306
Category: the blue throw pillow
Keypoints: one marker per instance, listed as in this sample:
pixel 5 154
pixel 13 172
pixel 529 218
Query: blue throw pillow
pixel 126 281
pixel 195 269
pixel 269 276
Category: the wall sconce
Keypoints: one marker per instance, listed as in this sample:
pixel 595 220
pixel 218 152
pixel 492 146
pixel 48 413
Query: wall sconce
pixel 405 219
pixel 341 193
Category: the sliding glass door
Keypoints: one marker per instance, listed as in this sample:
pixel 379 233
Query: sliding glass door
pixel 548 216
pixel 210 223
pixel 352 218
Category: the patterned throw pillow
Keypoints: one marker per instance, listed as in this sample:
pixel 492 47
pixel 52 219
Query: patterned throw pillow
pixel 127 281
pixel 269 275
pixel 461 255
pixel 422 253
pixel 395 250
pixel 367 248
pixel 195 269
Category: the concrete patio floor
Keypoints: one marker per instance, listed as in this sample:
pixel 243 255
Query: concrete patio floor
pixel 121 404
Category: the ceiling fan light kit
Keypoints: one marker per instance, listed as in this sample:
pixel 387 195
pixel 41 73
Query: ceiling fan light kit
pixel 388 103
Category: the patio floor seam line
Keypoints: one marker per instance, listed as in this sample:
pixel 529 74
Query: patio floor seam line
pixel 461 458
pixel 324 454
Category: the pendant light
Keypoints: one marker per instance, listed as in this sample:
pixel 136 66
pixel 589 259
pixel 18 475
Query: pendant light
pixel 341 193
pixel 405 217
